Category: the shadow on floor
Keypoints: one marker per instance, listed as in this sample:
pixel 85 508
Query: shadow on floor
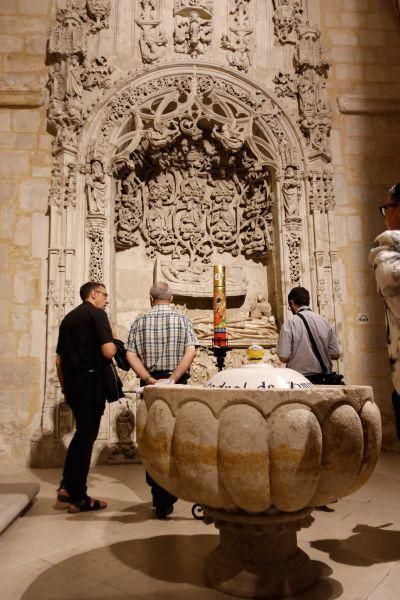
pixel 133 564
pixel 369 546
pixel 137 513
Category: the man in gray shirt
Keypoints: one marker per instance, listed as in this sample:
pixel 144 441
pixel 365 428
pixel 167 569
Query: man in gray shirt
pixel 294 347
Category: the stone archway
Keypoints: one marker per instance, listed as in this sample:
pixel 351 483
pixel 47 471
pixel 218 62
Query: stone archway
pixel 193 166
pixel 173 167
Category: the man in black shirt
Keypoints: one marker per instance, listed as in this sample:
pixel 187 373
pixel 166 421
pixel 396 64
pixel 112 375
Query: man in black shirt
pixel 85 346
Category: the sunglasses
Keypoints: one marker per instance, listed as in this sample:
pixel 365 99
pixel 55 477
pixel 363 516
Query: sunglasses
pixel 383 208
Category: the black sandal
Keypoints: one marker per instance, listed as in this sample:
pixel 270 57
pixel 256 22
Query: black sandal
pixel 63 496
pixel 86 505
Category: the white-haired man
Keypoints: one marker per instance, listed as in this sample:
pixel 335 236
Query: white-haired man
pixel 161 346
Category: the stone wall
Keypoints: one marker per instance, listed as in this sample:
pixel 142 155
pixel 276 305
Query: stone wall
pixel 25 164
pixel 363 39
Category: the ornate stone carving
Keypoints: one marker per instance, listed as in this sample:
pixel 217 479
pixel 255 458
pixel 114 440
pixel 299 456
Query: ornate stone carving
pixel 308 86
pixel 185 190
pixel 309 51
pixel 243 327
pixel 95 233
pixel 197 280
pixel 125 449
pixel 68 36
pixel 97 74
pixel 72 72
pixel 99 13
pixel 321 195
pixel 152 41
pixel 237 42
pixel 203 367
pixel 189 201
pixel 95 184
pixel 193 26
pixel 293 241
pixel 287 15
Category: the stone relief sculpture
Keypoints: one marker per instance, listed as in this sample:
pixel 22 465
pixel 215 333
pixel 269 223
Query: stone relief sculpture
pixel 202 169
pixel 99 13
pixel 187 192
pixel 125 449
pixel 243 327
pixel 237 42
pixel 152 40
pixel 95 185
pixel 193 26
pixel 287 15
pixel 308 85
pixel 96 73
pixel 203 367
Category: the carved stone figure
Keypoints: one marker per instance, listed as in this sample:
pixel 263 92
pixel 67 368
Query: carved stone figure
pixel 290 192
pixel 97 74
pixel 152 43
pixel 148 10
pixel 309 51
pixel 99 12
pixel 203 367
pixel 56 83
pixel 238 45
pixel 256 229
pixel 95 187
pixel 164 135
pixel 260 308
pixel 243 330
pixel 229 135
pixel 192 33
pixel 286 18
pixel 239 10
pixel 125 449
pixel 74 86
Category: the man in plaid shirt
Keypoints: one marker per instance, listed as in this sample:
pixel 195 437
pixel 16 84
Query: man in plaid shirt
pixel 161 346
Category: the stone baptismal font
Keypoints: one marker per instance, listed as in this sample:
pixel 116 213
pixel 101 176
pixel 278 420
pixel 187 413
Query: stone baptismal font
pixel 259 448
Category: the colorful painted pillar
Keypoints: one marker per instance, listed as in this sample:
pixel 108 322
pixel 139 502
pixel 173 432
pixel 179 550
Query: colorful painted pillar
pixel 220 339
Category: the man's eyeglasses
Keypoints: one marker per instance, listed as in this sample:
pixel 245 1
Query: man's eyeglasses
pixel 383 208
pixel 100 292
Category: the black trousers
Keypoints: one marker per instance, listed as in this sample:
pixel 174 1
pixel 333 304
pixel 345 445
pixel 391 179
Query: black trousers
pixel 84 394
pixel 162 498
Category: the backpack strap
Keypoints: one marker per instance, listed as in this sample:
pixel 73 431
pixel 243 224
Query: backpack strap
pixel 313 343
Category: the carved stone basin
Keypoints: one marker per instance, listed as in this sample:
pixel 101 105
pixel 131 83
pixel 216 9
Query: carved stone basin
pixel 259 461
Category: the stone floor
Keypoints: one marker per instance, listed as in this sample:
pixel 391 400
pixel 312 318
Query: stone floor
pixel 124 553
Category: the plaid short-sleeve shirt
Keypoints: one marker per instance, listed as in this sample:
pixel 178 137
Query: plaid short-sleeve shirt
pixel 160 337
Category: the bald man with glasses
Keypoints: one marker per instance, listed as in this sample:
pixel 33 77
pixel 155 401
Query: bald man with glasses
pixel 385 260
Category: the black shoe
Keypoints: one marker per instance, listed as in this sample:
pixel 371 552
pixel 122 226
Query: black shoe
pixel 162 512
pixel 325 508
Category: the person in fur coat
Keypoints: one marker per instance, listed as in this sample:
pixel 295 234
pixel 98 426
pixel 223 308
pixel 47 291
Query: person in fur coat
pixel 385 260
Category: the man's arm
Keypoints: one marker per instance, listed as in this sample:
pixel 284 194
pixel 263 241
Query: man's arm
pixel 108 350
pixel 184 363
pixel 283 359
pixel 284 345
pixel 139 367
pixel 60 374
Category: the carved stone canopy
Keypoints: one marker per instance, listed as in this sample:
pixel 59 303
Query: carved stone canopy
pixel 194 169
